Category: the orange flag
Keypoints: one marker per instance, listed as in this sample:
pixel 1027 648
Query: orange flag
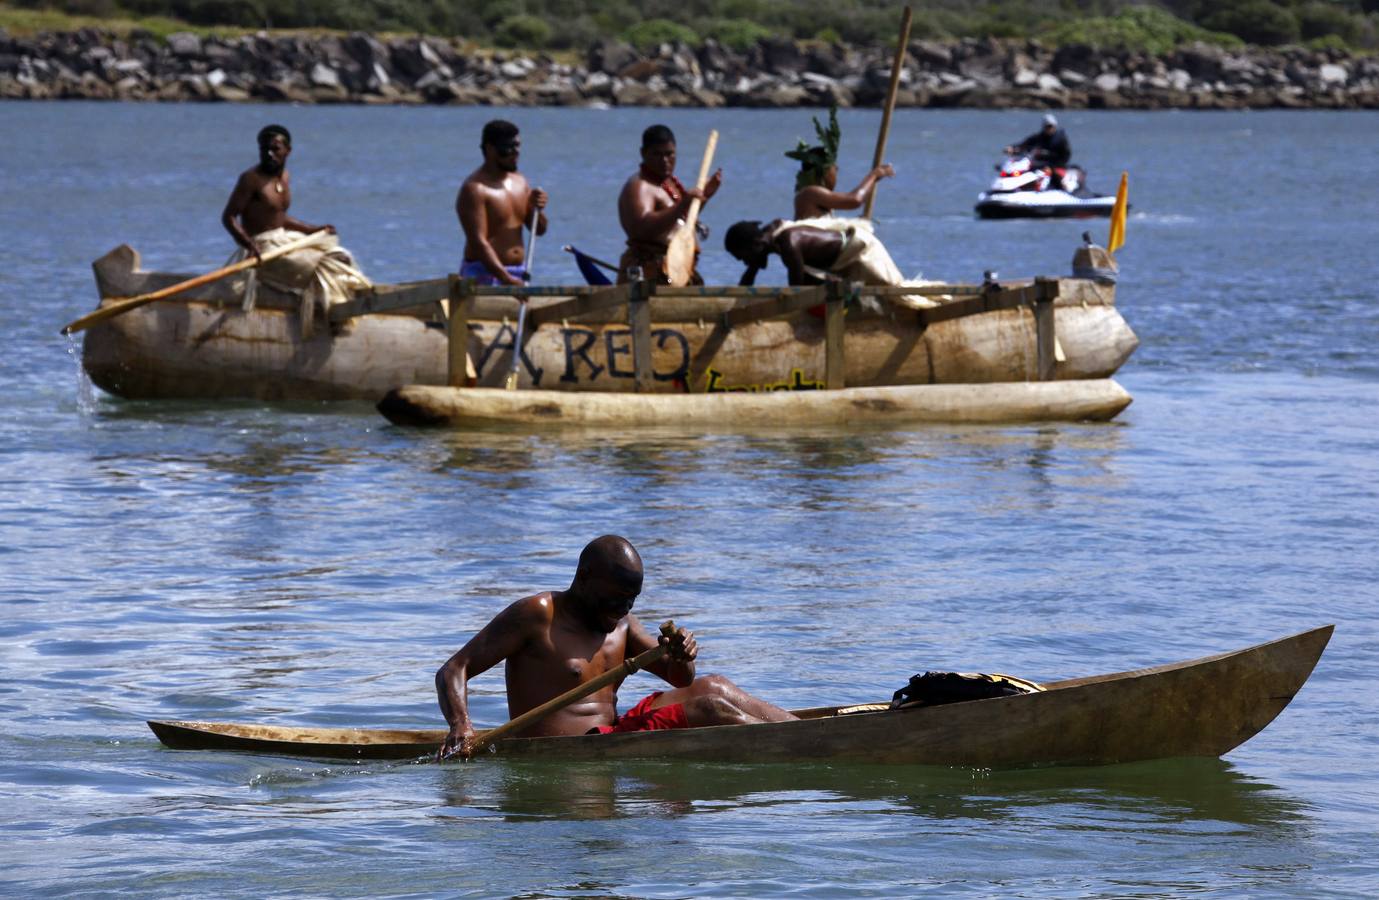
pixel 1116 239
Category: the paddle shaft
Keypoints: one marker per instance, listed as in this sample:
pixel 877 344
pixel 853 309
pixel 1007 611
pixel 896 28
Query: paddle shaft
pixel 680 253
pixel 629 666
pixel 511 383
pixel 122 305
pixel 692 217
pixel 894 89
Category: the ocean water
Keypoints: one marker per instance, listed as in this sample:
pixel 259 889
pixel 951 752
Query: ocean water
pixel 311 564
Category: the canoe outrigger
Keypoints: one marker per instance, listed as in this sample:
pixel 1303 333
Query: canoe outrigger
pixel 1204 707
pixel 617 339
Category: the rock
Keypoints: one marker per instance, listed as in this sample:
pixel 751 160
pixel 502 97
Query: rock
pixel 1047 83
pixel 1331 73
pixel 931 55
pixel 1107 83
pixel 323 76
pixel 1026 78
pixel 184 45
pixel 610 57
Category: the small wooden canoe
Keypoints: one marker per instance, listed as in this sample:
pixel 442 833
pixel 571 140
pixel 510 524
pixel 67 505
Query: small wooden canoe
pixel 1026 401
pixel 202 344
pixel 1204 707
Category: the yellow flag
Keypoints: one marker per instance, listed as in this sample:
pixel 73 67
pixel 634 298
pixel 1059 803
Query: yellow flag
pixel 1116 239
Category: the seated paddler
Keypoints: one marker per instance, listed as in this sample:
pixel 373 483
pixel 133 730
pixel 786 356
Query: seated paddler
pixel 494 204
pixel 816 183
pixel 256 216
pixel 652 204
pixel 554 641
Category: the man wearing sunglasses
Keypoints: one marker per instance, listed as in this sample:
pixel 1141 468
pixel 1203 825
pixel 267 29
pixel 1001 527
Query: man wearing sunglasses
pixel 494 204
pixel 556 640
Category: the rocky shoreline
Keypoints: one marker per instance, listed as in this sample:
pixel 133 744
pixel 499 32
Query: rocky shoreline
pixel 92 64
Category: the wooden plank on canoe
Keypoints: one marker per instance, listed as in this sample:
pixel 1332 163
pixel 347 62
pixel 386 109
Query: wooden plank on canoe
pixel 584 301
pixel 459 368
pixel 782 304
pixel 386 298
pixel 639 320
pixel 834 310
pixel 1046 340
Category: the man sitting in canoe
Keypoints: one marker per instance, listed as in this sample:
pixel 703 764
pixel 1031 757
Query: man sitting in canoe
pixel 815 250
pixel 556 640
pixel 652 203
pixel 494 203
pixel 256 216
pixel 818 176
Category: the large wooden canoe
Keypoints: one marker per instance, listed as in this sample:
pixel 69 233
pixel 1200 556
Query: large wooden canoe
pixel 1096 399
pixel 203 345
pixel 1204 707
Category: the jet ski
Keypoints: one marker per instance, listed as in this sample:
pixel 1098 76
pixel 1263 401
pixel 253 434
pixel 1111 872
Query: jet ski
pixel 1020 191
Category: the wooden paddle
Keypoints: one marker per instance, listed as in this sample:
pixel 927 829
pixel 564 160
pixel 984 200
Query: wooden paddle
pixel 511 383
pixel 487 738
pixel 119 305
pixel 680 253
pixel 896 66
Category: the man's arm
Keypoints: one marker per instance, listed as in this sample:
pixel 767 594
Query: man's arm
pixel 788 247
pixel 499 639
pixel 677 666
pixel 292 224
pixel 818 195
pixel 234 208
pixel 473 215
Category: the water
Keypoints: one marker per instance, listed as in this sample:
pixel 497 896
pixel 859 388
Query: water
pixel 311 564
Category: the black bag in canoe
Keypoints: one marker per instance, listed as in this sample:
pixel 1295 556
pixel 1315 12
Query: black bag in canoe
pixel 935 688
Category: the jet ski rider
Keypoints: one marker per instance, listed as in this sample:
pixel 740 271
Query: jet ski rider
pixel 1047 148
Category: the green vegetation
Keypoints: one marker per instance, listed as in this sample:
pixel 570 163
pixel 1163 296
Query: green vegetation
pixel 1150 25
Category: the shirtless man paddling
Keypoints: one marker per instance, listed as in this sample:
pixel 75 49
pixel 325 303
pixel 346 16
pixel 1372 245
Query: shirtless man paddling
pixel 556 640
pixel 494 204
pixel 263 194
pixel 652 202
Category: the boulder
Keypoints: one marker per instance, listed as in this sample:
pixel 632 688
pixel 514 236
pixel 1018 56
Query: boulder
pixel 184 45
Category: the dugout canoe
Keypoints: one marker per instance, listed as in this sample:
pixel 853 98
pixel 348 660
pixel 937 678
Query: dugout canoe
pixel 1096 399
pixel 1204 707
pixel 202 344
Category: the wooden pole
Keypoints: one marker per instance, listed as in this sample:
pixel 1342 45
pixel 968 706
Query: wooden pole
pixel 511 383
pixel 1046 339
pixel 896 66
pixel 461 289
pixel 834 310
pixel 486 738
pixel 639 320
pixel 120 305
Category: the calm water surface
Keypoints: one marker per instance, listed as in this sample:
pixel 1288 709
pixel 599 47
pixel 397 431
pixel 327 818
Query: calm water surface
pixel 311 564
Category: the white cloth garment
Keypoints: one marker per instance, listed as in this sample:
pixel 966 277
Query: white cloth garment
pixel 321 274
pixel 863 257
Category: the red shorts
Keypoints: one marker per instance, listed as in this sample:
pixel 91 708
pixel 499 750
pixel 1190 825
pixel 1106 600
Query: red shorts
pixel 643 718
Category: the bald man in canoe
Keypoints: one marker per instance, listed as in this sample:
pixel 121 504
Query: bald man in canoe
pixel 494 204
pixel 557 640
pixel 652 204
pixel 256 217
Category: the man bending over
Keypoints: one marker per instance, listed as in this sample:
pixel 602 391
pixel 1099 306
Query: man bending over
pixel 557 640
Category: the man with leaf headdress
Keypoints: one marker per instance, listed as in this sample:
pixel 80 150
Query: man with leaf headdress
pixel 818 176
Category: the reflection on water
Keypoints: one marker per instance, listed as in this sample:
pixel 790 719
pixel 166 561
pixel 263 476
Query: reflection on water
pixel 1145 796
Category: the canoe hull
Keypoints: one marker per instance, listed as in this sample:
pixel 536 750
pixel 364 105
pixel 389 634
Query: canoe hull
pixel 1204 707
pixel 203 345
pixel 1090 400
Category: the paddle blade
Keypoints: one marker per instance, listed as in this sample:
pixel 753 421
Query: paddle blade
pixel 1116 239
pixel 593 275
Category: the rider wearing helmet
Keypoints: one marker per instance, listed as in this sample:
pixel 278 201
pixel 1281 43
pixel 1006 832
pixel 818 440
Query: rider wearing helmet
pixel 1048 148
